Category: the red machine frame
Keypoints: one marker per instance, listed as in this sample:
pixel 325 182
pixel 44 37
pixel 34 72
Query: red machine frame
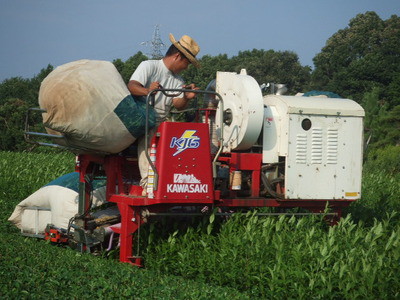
pixel 183 172
pixel 183 176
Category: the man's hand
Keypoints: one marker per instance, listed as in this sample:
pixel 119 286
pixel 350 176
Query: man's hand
pixel 137 89
pixel 190 95
pixel 154 86
pixel 182 102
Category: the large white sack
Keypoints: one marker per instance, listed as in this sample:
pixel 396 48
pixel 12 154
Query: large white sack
pixel 24 216
pixel 34 220
pixel 88 101
pixel 56 204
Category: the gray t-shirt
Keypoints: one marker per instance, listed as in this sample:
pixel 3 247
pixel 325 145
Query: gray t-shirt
pixel 155 70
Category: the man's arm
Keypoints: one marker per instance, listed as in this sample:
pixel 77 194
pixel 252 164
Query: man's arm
pixel 137 89
pixel 182 102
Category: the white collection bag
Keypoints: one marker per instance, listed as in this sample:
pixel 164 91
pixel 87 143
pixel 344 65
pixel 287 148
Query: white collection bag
pixel 89 103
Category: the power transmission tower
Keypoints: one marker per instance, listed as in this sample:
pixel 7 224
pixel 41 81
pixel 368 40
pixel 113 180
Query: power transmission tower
pixel 156 44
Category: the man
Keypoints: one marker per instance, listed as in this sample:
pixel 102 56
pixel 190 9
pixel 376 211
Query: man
pixel 164 73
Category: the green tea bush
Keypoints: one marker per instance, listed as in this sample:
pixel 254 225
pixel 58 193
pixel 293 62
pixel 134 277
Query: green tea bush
pixel 380 186
pixel 22 173
pixel 35 269
pixel 280 258
pixel 32 269
pixel 242 258
pixel 385 159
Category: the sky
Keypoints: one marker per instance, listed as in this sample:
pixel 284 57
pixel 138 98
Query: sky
pixel 35 33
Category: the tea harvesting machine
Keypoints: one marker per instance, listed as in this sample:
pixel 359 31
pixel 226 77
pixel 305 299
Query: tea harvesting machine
pixel 243 150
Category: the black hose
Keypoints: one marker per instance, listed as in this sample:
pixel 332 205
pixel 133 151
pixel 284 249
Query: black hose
pixel 268 185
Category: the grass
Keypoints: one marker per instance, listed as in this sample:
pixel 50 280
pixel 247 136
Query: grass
pixel 35 269
pixel 242 258
pixel 280 258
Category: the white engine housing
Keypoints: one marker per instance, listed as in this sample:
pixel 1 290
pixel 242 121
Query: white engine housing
pixel 321 140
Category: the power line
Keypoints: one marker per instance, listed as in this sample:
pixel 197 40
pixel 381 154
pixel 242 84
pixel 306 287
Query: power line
pixel 156 44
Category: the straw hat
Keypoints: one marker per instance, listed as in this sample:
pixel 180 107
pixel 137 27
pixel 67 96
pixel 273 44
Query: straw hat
pixel 188 47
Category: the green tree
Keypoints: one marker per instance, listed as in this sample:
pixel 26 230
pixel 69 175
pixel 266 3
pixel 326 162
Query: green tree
pixel 16 96
pixel 274 67
pixel 16 87
pixel 12 113
pixel 265 66
pixel 390 130
pixel 393 90
pixel 127 68
pixel 374 112
pixel 382 126
pixel 209 65
pixel 364 55
pixel 34 85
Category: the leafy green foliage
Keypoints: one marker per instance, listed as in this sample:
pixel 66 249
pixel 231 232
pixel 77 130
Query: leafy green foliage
pixel 390 128
pixel 37 270
pixel 21 174
pixel 384 160
pixel 25 89
pixel 12 125
pixel 15 87
pixel 16 96
pixel 380 185
pixel 380 195
pixel 362 62
pixel 360 57
pixel 375 111
pixel 244 257
pixel 274 67
pixel 127 68
pixel 209 65
pixel 265 66
pixel 280 258
pixel 34 269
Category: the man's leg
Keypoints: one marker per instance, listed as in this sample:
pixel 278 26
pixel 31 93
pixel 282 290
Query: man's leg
pixel 143 162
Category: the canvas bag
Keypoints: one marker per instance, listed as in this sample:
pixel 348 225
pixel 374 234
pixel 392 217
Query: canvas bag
pixel 88 102
pixel 58 202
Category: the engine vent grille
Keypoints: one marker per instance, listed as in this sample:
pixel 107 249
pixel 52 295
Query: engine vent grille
pixel 301 148
pixel 332 146
pixel 316 146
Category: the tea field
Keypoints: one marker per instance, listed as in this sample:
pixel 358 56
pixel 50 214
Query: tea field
pixel 243 257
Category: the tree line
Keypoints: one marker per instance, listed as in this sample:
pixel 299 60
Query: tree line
pixel 360 62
